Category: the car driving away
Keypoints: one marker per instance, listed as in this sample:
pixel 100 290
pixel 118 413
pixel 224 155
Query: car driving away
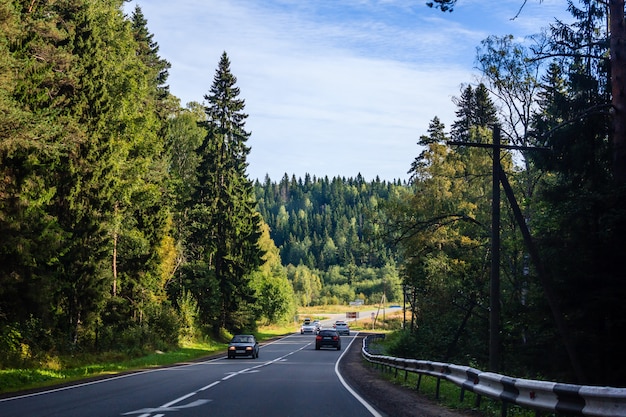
pixel 342 327
pixel 243 345
pixel 317 325
pixel 308 328
pixel 327 338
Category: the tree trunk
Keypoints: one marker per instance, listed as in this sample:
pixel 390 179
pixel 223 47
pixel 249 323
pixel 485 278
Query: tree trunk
pixel 618 73
pixel 115 265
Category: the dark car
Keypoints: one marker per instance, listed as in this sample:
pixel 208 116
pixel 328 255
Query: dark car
pixel 327 338
pixel 243 345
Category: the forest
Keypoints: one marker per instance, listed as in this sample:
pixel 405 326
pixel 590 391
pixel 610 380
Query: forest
pixel 128 222
pixel 326 231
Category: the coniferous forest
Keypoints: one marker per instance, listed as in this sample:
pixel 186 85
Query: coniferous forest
pixel 128 221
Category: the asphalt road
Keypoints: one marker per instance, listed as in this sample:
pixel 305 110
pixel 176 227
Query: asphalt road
pixel 290 378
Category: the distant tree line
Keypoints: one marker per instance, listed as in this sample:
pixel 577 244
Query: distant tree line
pixel 326 230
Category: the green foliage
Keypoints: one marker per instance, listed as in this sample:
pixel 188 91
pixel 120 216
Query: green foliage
pixel 402 344
pixel 84 178
pixel 320 222
pixel 568 196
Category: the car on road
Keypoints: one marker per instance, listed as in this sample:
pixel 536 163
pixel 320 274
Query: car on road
pixel 328 338
pixel 243 345
pixel 317 325
pixel 342 328
pixel 308 328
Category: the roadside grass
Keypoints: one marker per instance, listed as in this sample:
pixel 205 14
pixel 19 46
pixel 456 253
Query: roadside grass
pixel 66 369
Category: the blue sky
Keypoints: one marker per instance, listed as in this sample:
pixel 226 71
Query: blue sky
pixel 335 87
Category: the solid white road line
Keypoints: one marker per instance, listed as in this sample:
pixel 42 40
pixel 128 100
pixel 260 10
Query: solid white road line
pixel 371 409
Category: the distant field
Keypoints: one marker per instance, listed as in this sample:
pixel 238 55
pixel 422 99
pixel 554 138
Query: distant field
pixel 364 322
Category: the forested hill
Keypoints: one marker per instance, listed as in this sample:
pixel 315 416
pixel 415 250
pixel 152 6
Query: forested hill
pixel 322 222
pixel 328 234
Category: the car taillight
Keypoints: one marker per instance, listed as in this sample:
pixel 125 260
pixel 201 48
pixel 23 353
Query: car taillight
pixel 318 337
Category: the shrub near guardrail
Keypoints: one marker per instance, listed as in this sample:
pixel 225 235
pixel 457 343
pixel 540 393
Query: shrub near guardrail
pixel 535 395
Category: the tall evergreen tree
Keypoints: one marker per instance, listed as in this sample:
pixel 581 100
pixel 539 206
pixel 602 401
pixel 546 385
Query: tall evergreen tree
pixel 474 109
pixel 226 223
pixel 142 209
pixel 464 119
pixel 157 68
pixel 32 89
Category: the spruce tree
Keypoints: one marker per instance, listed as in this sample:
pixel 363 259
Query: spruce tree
pixel 461 126
pixel 474 109
pixel 226 225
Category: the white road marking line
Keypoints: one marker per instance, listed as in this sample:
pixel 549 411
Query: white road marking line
pixel 227 377
pixel 350 390
pixel 211 385
pixel 149 411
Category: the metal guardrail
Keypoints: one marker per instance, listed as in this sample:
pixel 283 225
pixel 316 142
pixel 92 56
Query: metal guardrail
pixel 535 395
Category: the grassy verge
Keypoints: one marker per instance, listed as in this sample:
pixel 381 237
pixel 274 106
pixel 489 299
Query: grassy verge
pixel 61 370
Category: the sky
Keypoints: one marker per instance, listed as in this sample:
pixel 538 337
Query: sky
pixel 335 87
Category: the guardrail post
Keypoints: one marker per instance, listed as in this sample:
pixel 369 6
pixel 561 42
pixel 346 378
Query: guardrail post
pixel 419 381
pixel 438 384
pixel 504 409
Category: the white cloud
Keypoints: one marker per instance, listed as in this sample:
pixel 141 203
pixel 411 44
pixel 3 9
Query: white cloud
pixel 331 88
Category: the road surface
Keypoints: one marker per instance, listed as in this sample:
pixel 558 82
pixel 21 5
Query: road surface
pixel 290 378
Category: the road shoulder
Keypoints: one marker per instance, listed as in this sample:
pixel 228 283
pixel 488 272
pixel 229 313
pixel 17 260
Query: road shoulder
pixel 389 399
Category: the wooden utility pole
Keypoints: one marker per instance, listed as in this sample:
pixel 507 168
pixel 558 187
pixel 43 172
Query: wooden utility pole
pixel 494 282
pixel 617 34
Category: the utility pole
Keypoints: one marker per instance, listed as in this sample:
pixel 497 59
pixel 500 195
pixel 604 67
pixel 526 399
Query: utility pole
pixel 495 344
pixel 494 282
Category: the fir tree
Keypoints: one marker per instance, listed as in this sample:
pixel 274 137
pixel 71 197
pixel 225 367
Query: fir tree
pixel 474 109
pixel 226 223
